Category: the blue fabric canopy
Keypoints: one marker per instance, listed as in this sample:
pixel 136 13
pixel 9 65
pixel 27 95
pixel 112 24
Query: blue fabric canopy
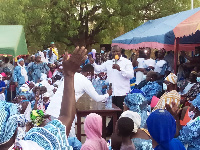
pixel 158 33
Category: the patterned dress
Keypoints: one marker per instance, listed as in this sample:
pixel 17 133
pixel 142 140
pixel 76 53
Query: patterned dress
pixel 142 144
pixel 50 137
pixel 168 98
pixel 136 102
pixel 194 91
pixel 37 69
pixel 151 89
pixel 190 134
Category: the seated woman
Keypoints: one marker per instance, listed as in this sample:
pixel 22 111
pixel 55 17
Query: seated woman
pixel 152 88
pixel 191 81
pixel 189 135
pixel 162 128
pixel 93 131
pixel 136 102
pixel 171 95
pixel 140 137
pixel 194 91
pixel 53 135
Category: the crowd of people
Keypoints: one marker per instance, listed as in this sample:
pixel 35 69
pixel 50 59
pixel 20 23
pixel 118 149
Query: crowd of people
pixel 160 110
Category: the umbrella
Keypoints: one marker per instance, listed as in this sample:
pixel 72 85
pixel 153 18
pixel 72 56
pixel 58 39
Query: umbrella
pixel 174 32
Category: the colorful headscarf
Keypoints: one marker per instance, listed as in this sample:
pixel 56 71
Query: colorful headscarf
pixel 162 127
pixel 133 116
pixel 37 117
pixel 8 121
pixel 134 100
pixel 93 131
pixel 171 78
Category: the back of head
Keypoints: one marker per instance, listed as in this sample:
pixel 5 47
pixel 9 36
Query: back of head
pixel 161 126
pixel 125 126
pixel 135 117
pixel 88 68
pixel 6 59
pixel 93 126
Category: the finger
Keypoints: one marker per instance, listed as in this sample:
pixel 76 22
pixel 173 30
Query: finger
pixel 76 50
pixel 81 50
pixel 65 56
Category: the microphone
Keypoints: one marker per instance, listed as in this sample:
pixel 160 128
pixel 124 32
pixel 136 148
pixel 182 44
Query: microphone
pixel 116 58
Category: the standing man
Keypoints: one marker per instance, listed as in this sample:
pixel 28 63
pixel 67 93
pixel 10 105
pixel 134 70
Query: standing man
pixel 119 72
pixel 52 53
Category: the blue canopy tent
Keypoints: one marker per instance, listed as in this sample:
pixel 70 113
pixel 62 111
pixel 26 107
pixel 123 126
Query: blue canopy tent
pixel 163 33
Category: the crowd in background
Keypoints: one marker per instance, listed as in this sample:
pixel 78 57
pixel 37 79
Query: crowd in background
pixel 161 109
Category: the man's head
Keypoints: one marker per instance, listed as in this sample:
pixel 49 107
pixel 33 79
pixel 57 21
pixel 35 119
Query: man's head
pixel 123 51
pixel 151 76
pixel 161 53
pixel 6 60
pixel 88 70
pixel 116 50
pixel 147 52
pixel 52 44
pixel 193 77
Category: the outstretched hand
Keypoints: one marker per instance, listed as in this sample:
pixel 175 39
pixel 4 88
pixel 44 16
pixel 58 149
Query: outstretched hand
pixel 71 65
pixel 174 110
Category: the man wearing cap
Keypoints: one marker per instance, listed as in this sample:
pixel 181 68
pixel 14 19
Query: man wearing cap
pixel 171 95
pixel 52 53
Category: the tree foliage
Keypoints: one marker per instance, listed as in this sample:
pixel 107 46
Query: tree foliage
pixel 83 22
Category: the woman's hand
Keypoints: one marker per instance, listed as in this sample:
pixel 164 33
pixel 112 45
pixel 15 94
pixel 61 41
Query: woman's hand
pixel 71 65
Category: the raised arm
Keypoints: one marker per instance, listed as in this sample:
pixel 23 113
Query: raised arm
pixel 70 66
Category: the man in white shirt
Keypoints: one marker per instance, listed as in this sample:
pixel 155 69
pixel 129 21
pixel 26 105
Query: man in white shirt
pixel 81 85
pixel 119 73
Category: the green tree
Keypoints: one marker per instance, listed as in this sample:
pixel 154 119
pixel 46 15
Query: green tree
pixel 83 22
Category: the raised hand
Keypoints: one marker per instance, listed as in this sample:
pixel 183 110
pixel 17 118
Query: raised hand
pixel 71 65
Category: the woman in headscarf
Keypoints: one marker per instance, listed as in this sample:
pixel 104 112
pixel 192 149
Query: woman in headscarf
pixel 171 95
pixel 189 134
pixel 136 102
pixel 20 75
pixel 38 68
pixel 93 131
pixel 140 136
pixel 53 135
pixel 162 128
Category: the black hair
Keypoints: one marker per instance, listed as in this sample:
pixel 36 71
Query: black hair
pixel 142 54
pixel 123 51
pixel 156 54
pixel 125 126
pixel 6 59
pixel 88 68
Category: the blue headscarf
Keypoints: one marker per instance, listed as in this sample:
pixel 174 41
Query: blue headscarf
pixel 8 121
pixel 162 127
pixel 196 102
pixel 21 59
pixel 134 99
pixel 90 53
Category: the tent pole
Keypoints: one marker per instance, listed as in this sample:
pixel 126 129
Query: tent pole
pixel 176 49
